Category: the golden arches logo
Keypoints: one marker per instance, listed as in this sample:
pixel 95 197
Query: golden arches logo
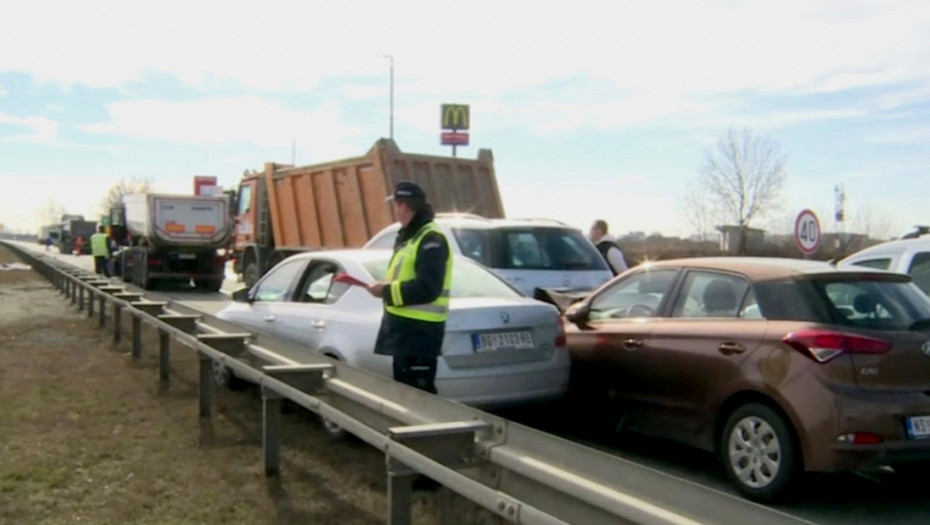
pixel 455 116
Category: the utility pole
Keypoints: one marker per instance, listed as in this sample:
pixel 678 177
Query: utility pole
pixel 391 58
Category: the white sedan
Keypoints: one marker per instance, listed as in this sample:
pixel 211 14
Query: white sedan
pixel 500 348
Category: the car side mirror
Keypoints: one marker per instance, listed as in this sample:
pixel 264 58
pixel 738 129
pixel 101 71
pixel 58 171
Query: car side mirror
pixel 578 313
pixel 242 296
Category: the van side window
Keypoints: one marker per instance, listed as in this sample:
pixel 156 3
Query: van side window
pixel 920 271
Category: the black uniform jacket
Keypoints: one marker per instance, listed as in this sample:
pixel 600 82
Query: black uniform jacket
pixel 400 336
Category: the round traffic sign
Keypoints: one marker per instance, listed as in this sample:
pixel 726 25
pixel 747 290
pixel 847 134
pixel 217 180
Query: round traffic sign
pixel 807 232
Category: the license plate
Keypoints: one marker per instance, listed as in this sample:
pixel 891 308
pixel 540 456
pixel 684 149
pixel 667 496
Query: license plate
pixel 502 340
pixel 187 256
pixel 918 427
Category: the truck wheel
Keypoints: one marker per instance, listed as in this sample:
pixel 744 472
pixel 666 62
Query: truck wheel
pixel 252 274
pixel 209 285
pixel 141 272
pixel 127 268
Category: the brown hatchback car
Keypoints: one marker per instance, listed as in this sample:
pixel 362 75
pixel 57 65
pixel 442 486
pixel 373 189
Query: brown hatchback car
pixel 777 365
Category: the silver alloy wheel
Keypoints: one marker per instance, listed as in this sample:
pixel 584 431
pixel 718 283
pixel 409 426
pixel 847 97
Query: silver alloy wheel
pixel 332 428
pixel 221 374
pixel 755 452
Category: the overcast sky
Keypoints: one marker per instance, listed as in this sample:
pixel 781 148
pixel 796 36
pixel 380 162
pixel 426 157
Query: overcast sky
pixel 592 109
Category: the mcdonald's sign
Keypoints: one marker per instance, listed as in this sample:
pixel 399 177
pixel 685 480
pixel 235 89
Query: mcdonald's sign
pixel 455 116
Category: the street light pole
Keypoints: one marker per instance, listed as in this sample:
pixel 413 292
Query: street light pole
pixel 391 58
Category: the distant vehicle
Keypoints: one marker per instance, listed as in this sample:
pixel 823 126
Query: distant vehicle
pixel 777 365
pixel 527 253
pixel 500 347
pixel 285 209
pixel 171 237
pixel 910 256
pixel 72 227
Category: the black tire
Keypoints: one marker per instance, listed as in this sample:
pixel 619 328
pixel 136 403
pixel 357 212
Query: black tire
pixel 251 274
pixel 910 472
pixel 208 285
pixel 127 269
pixel 223 376
pixel 141 271
pixel 759 453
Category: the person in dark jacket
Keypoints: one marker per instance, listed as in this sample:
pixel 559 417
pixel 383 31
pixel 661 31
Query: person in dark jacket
pixel 416 291
pixel 607 245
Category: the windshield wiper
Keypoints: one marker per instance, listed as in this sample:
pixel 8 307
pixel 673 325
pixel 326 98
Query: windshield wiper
pixel 920 325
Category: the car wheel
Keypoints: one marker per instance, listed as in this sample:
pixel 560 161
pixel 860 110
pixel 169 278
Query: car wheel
pixel 758 452
pixel 333 430
pixel 223 376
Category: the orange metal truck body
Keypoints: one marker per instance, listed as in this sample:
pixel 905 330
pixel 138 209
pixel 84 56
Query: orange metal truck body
pixel 341 204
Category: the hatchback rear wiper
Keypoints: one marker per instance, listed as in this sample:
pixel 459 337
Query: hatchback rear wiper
pixel 920 325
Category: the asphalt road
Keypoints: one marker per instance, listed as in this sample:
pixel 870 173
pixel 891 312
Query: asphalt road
pixel 862 498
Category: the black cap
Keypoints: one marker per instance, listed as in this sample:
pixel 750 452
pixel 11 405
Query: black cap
pixel 408 191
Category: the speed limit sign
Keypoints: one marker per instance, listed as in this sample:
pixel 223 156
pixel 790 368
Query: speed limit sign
pixel 807 232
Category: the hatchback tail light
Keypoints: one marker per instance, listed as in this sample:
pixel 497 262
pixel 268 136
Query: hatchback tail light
pixel 824 345
pixel 560 339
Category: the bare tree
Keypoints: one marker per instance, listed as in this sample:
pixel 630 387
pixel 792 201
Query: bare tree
pixel 872 223
pixel 698 210
pixel 114 196
pixel 51 212
pixel 743 176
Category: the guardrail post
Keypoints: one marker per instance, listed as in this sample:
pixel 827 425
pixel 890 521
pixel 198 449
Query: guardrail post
pixel 271 431
pixel 117 322
pixel 90 304
pixel 399 492
pixel 164 350
pixel 103 310
pixel 74 291
pixel 81 298
pixel 206 385
pixel 136 337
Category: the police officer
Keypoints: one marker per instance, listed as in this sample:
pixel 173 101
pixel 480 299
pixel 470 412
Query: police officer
pixel 416 294
pixel 100 251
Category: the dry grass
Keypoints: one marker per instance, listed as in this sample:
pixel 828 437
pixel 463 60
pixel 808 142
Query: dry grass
pixel 86 436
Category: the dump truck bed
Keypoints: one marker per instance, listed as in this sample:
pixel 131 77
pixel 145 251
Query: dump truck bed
pixel 342 203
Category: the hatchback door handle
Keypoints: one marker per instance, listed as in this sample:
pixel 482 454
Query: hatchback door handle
pixel 318 324
pixel 632 344
pixel 731 348
pixel 268 318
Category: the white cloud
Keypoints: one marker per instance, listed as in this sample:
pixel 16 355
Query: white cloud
pixel 218 120
pixel 38 129
pixel 485 50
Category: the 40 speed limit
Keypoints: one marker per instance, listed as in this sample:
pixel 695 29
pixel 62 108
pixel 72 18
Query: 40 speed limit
pixel 807 232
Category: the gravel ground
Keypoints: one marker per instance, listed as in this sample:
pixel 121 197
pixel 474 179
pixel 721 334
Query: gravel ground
pixel 87 436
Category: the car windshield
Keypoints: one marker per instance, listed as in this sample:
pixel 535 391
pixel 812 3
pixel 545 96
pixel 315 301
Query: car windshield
pixel 873 303
pixel 528 248
pixel 468 279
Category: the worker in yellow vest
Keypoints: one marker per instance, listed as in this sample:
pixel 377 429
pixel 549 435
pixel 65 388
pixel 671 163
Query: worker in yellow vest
pixel 416 294
pixel 100 250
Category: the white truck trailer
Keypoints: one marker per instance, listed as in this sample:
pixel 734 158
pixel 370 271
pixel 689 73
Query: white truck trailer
pixel 172 237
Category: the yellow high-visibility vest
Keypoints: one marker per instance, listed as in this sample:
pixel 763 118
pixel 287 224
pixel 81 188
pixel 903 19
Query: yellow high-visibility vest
pixel 98 245
pixel 403 268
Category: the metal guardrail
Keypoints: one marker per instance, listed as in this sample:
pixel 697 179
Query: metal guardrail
pixel 521 474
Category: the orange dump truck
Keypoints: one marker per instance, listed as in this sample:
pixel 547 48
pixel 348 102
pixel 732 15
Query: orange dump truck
pixel 285 209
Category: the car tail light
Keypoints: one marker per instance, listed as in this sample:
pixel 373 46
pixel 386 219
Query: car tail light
pixel 560 339
pixel 824 345
pixel 860 438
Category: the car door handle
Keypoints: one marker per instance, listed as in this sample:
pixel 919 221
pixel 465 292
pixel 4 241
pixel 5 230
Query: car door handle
pixel 319 325
pixel 731 348
pixel 268 318
pixel 631 344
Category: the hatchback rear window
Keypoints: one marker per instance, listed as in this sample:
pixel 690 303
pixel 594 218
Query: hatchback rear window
pixel 874 304
pixel 529 248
